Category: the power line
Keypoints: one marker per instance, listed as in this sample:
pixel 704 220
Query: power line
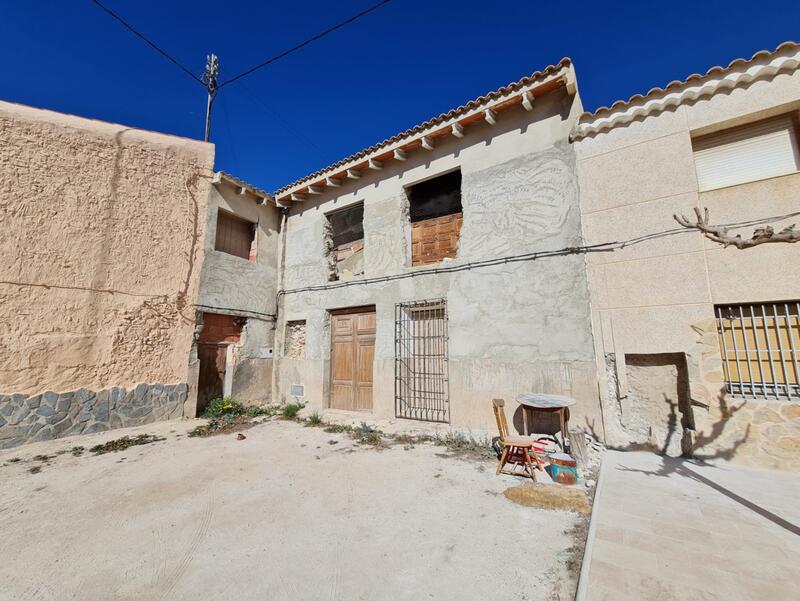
pixel 531 256
pixel 305 43
pixel 253 98
pixel 153 45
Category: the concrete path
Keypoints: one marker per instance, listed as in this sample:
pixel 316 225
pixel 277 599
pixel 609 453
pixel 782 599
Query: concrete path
pixel 668 529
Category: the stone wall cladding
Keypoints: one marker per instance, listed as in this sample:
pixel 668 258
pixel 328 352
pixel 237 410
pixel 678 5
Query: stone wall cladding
pixel 750 432
pixel 51 415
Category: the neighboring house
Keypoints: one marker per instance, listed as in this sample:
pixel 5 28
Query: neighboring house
pixel 416 279
pixel 698 345
pixel 236 306
pixel 102 232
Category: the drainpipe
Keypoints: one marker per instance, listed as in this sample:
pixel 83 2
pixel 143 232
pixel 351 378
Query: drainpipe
pixel 279 331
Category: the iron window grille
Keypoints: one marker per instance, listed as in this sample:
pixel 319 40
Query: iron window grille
pixel 421 370
pixel 760 346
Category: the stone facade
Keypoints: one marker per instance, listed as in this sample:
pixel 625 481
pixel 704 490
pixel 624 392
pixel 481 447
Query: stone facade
pixel 754 432
pixel 51 415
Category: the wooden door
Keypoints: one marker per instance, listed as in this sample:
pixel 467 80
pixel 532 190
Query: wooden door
pixel 352 358
pixel 210 386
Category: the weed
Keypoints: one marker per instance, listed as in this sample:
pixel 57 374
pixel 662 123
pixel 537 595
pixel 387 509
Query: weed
pixel 35 469
pixel 223 406
pixel 579 533
pixel 77 451
pixel 43 458
pixel 290 411
pixel 337 428
pixel 258 410
pixel 366 434
pixel 314 420
pixel 464 446
pixel 120 444
pixel 14 460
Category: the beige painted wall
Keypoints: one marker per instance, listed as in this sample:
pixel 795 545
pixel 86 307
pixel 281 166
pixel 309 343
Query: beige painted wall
pixel 101 248
pixel 657 295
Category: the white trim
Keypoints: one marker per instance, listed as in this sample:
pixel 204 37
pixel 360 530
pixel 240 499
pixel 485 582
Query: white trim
pixel 705 87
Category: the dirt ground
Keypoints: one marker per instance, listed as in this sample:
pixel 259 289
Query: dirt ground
pixel 289 513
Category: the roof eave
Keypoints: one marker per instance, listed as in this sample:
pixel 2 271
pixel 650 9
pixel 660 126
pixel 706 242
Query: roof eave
pixel 399 147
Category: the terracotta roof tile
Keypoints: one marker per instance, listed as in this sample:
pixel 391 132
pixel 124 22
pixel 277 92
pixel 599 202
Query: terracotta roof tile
pixel 463 109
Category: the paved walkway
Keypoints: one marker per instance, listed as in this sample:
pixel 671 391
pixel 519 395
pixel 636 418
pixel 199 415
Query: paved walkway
pixel 668 529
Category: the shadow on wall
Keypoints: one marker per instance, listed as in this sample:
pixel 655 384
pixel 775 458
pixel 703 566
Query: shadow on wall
pixel 703 446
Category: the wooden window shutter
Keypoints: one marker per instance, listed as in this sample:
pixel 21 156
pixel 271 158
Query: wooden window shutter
pixel 234 235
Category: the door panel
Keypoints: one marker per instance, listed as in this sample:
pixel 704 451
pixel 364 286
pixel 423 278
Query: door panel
pixel 352 359
pixel 213 358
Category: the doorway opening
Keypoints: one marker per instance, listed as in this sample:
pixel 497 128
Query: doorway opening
pixel 214 346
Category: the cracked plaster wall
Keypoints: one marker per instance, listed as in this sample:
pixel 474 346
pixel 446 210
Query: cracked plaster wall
pixel 513 327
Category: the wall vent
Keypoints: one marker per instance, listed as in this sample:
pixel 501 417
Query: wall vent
pixel 297 390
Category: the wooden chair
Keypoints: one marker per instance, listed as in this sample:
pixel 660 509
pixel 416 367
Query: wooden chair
pixel 517 450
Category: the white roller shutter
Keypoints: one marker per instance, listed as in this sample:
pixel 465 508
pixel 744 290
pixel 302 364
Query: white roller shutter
pixel 748 153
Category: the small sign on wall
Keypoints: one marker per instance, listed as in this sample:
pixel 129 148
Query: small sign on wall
pixel 265 352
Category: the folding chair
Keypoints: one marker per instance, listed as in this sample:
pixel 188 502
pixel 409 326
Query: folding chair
pixel 517 450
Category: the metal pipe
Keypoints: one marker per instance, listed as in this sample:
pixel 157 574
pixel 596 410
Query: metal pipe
pixel 780 350
pixel 769 353
pixel 758 352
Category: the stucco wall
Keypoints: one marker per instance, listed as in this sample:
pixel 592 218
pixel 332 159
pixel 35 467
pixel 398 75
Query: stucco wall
pixel 102 236
pixel 513 327
pixel 657 295
pixel 235 286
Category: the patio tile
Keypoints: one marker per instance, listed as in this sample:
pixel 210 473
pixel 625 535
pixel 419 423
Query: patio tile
pixel 693 532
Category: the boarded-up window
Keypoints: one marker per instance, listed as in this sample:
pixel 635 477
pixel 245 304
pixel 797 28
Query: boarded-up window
pixel 235 236
pixel 436 218
pixel 748 153
pixel 295 339
pixel 760 347
pixel 345 243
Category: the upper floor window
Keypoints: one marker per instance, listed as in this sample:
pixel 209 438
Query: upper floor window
pixel 235 236
pixel 436 218
pixel 345 243
pixel 748 153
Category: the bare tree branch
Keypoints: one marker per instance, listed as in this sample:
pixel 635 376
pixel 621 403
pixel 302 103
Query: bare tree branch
pixel 762 235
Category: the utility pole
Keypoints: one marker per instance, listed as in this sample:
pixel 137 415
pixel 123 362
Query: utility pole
pixel 210 81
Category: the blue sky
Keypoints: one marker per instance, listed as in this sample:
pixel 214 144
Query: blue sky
pixel 398 66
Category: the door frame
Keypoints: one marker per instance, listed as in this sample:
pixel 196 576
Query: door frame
pixel 328 374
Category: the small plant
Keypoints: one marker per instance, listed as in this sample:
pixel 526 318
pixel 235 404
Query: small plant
pixel 314 420
pixel 465 446
pixel 366 434
pixel 223 406
pixel 14 460
pixel 120 444
pixel 259 410
pixel 337 428
pixel 290 411
pixel 43 458
pixel 77 451
pixel 35 469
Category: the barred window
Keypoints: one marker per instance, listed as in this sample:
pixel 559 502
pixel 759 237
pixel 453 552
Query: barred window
pixel 760 346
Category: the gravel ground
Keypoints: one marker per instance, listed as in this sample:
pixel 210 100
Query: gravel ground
pixel 290 513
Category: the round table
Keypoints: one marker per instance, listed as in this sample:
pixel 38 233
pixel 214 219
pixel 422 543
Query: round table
pixel 546 403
